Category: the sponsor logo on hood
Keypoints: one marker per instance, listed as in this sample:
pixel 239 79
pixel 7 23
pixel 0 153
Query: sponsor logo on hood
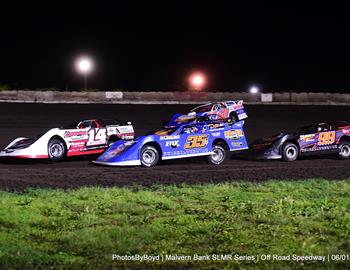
pixel 171 137
pixel 307 138
pixel 172 144
pixel 68 134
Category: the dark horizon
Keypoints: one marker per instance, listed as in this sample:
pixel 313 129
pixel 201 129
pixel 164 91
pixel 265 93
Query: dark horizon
pixel 276 48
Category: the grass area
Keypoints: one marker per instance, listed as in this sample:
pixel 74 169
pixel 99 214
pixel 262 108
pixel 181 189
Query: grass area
pixel 43 229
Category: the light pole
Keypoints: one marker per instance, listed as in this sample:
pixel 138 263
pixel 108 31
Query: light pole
pixel 84 65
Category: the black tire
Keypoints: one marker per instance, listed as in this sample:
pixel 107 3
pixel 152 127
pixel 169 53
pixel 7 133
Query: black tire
pixel 234 117
pixel 149 156
pixel 290 151
pixel 56 150
pixel 218 156
pixel 344 150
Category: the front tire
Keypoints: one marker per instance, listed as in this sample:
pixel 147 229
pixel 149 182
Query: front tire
pixel 218 156
pixel 56 150
pixel 149 156
pixel 234 117
pixel 344 150
pixel 290 152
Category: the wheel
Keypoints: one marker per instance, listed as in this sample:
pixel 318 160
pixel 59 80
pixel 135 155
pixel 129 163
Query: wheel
pixel 344 148
pixel 234 117
pixel 290 152
pixel 56 150
pixel 149 156
pixel 218 156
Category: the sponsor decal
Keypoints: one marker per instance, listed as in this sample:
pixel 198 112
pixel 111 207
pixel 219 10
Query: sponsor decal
pixel 77 146
pixel 172 144
pixel 124 129
pixel 197 141
pixel 346 131
pixel 127 137
pixel 217 129
pixel 233 134
pixel 327 147
pixel 307 138
pixel 234 144
pixel 216 134
pixel 112 130
pixel 216 126
pixel 79 133
pixel 242 116
pixel 171 137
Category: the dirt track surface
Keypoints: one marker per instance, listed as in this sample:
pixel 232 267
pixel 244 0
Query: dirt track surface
pixel 30 119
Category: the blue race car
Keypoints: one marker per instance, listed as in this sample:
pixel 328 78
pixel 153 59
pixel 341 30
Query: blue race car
pixel 207 138
pixel 232 109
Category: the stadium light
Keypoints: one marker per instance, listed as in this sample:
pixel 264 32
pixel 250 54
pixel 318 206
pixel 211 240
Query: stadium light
pixel 197 81
pixel 254 90
pixel 84 65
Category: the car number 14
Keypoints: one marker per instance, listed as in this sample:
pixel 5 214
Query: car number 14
pixel 97 136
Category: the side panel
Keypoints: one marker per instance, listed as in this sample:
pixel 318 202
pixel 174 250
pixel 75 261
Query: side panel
pixel 183 145
pixel 319 142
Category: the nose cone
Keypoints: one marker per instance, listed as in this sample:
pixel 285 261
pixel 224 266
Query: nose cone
pixel 113 151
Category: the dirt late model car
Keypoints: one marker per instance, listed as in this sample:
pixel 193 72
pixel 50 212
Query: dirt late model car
pixel 85 138
pixel 233 110
pixel 209 138
pixel 316 139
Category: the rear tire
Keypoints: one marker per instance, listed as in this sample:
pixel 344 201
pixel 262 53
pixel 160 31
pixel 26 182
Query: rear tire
pixel 149 156
pixel 218 156
pixel 290 151
pixel 344 148
pixel 56 150
pixel 234 117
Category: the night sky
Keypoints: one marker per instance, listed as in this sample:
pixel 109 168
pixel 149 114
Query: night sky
pixel 156 47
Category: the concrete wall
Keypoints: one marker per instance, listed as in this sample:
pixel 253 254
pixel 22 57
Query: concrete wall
pixel 173 97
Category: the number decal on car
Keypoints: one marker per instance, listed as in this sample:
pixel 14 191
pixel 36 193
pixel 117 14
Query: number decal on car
pixel 326 138
pixel 197 141
pixel 97 136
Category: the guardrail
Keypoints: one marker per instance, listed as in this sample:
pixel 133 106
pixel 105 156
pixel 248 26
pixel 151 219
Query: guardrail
pixel 172 97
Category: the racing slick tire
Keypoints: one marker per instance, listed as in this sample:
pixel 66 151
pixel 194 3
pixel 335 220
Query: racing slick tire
pixel 344 150
pixel 56 150
pixel 149 156
pixel 290 151
pixel 218 156
pixel 234 117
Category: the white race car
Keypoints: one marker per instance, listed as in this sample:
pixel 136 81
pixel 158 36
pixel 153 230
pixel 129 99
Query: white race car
pixel 86 138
